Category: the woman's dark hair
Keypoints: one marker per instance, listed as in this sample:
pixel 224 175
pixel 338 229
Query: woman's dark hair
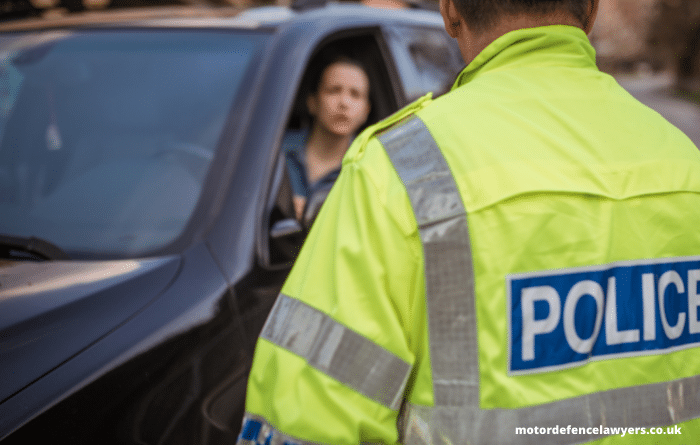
pixel 325 59
pixel 480 15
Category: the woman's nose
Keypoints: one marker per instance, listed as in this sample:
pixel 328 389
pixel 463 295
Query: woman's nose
pixel 345 99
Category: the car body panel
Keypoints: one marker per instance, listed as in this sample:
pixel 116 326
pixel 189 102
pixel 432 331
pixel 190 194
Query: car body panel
pixel 189 302
pixel 47 310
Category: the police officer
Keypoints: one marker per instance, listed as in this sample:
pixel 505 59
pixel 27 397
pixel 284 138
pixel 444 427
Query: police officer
pixel 517 261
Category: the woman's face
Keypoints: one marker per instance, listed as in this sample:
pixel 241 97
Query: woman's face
pixel 341 104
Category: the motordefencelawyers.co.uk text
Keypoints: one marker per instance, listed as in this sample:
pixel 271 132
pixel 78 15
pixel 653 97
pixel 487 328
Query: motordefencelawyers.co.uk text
pixel 598 430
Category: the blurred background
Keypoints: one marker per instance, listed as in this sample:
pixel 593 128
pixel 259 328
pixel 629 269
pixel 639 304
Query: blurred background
pixel 651 46
pixel 631 36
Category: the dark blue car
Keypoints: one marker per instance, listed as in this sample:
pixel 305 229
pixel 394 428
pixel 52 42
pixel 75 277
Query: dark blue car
pixel 146 223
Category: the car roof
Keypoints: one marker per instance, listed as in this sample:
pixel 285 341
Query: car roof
pixel 223 17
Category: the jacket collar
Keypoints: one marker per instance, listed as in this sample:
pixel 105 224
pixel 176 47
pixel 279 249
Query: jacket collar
pixel 557 45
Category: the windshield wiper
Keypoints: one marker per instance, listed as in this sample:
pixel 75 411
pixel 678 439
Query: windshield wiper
pixel 30 248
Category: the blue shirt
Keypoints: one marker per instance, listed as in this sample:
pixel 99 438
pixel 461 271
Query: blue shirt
pixel 294 147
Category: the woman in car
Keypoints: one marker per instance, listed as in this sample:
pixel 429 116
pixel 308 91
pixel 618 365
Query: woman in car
pixel 338 104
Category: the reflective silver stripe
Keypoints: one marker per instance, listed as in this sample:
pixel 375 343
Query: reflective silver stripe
pixel 456 417
pixel 257 431
pixel 442 221
pixel 659 404
pixel 337 351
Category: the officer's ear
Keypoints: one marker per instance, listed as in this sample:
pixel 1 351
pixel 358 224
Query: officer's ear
pixel 451 18
pixel 592 14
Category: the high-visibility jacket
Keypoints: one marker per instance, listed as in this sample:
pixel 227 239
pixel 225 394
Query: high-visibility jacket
pixel 516 261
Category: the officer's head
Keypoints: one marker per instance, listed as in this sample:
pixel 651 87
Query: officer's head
pixel 473 22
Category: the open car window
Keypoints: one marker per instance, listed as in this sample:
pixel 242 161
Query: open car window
pixel 385 96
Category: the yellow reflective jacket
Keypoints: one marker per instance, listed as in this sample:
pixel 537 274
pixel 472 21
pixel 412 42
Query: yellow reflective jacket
pixel 581 208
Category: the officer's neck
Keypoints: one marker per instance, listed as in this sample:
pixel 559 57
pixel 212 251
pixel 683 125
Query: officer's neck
pixel 472 42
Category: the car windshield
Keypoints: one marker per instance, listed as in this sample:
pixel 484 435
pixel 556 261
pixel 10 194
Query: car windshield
pixel 107 136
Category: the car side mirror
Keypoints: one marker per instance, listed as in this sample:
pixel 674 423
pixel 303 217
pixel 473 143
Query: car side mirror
pixel 286 237
pixel 313 206
pixel 286 228
pixel 284 234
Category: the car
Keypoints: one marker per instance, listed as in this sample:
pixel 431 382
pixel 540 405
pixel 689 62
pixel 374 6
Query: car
pixel 145 210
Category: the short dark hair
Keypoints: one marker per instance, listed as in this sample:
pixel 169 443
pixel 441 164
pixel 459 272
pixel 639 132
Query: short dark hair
pixel 480 15
pixel 323 61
